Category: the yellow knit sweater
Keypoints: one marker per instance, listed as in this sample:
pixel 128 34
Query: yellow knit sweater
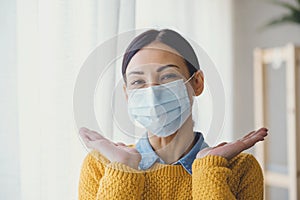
pixel 213 178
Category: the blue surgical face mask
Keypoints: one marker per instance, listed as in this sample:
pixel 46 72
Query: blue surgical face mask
pixel 161 109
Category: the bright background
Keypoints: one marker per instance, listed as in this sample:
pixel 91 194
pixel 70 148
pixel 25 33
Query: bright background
pixel 44 43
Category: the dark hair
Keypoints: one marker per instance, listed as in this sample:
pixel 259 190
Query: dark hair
pixel 168 37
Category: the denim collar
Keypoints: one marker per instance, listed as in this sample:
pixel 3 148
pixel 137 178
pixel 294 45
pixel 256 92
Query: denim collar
pixel 149 157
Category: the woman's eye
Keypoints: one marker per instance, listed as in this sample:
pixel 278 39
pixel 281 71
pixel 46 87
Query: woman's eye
pixel 169 76
pixel 137 82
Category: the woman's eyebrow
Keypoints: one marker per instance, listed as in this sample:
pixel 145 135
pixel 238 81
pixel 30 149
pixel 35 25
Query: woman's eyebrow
pixel 135 72
pixel 158 70
pixel 166 66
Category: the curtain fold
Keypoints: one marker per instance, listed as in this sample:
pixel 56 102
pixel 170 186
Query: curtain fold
pixel 53 40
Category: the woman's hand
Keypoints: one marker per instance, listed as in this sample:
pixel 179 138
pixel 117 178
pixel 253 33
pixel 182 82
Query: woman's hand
pixel 230 150
pixel 115 152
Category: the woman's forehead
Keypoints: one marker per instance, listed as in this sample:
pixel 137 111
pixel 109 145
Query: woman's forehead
pixel 155 56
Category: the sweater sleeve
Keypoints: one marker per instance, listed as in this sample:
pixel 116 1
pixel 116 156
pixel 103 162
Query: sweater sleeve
pixel 251 180
pixel 216 178
pixel 209 179
pixel 100 179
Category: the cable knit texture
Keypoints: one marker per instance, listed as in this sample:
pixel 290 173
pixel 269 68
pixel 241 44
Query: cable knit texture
pixel 213 178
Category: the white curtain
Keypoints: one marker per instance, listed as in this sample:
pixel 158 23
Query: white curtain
pixel 9 145
pixel 53 40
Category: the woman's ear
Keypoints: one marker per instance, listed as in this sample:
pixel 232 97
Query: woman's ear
pixel 198 82
pixel 125 91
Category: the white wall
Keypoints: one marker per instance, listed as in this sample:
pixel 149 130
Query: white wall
pixel 248 17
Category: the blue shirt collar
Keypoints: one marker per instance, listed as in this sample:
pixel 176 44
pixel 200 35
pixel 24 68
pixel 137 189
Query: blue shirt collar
pixel 149 157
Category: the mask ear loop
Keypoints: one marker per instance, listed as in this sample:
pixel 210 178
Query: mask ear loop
pixel 189 78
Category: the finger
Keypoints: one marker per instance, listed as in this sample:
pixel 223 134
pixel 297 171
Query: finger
pixel 121 144
pixel 256 138
pixel 263 128
pixel 85 139
pixel 88 136
pixel 219 145
pixel 83 129
pixel 93 135
pixel 249 134
pixel 126 148
pixel 251 141
pixel 254 132
pixel 105 147
pixel 83 133
pixel 109 150
pixel 222 144
pixel 204 152
pixel 259 135
pixel 261 131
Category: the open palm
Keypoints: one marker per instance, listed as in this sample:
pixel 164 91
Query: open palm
pixel 230 150
pixel 114 152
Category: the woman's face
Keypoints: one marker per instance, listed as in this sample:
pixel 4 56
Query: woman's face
pixel 157 64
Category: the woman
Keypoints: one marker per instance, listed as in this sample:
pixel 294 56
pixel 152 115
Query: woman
pixel 161 75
